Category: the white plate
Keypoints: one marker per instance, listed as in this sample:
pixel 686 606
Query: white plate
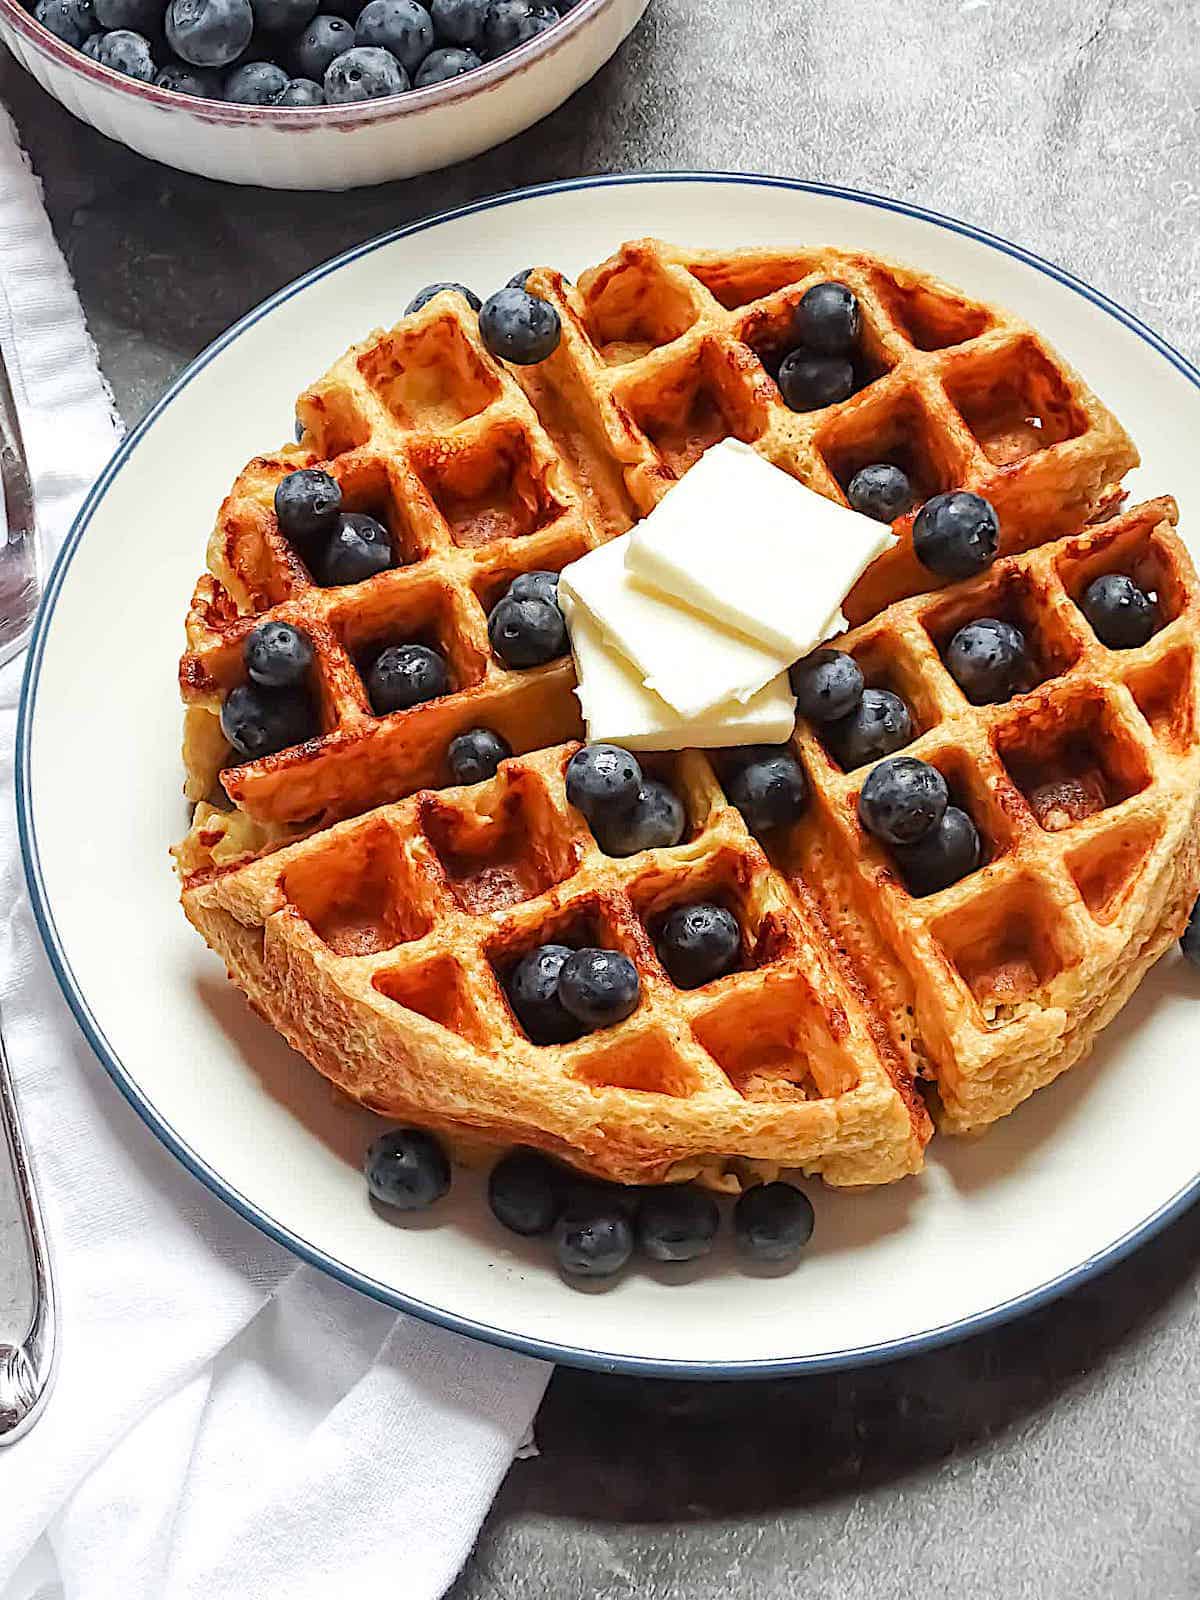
pixel 1073 1180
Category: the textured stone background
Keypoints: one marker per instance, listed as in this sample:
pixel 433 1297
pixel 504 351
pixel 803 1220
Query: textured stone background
pixel 1054 1460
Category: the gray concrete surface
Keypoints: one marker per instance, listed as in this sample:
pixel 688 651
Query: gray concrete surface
pixel 1055 1458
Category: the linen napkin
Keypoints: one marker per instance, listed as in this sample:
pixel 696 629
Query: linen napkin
pixel 227 1422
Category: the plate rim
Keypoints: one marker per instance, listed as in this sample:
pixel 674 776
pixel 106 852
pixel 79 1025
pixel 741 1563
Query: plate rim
pixel 544 1349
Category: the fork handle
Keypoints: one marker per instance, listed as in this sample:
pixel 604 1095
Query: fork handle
pixel 26 1369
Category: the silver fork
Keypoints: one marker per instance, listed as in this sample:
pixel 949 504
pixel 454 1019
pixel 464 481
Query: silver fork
pixel 27 1368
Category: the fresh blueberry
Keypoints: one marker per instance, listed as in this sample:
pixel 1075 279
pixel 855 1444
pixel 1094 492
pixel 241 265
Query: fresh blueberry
pixel 424 296
pixel 127 52
pixel 772 1221
pixel 475 755
pixel 881 491
pixel 527 633
pixel 319 45
pixel 209 33
pixel 401 26
pixel 508 23
pixel 202 82
pixel 878 726
pixel 902 800
pixel 525 1193
pixel 532 988
pixel 406 675
pixel 459 21
pixel 140 16
pixel 827 684
pixel 358 550
pixel 599 987
pixel 698 943
pixel 259 722
pixel 256 83
pixel 439 66
pixel 518 327
pixel 655 821
pixel 365 73
pixel 519 279
pixel 676 1223
pixel 956 535
pixel 1122 616
pixel 283 16
pixel 72 21
pixel 595 1243
pixel 407 1169
pixel 770 791
pixel 302 92
pixel 603 781
pixel 277 655
pixel 947 853
pixel 827 319
pixel 1189 942
pixel 987 659
pixel 808 382
pixel 307 506
pixel 535 586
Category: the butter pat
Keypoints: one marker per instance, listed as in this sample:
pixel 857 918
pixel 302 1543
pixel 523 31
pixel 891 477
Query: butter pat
pixel 749 546
pixel 689 660
pixel 619 709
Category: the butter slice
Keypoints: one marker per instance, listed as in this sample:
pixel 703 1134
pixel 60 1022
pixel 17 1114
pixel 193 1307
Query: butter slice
pixel 619 709
pixel 691 661
pixel 746 544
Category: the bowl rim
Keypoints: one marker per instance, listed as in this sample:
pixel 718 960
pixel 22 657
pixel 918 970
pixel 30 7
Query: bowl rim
pixel 224 112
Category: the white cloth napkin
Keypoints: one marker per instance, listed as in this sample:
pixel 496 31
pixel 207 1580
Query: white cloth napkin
pixel 227 1423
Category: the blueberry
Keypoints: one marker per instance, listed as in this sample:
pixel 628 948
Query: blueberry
pixel 593 1244
pixel 302 92
pixel 603 781
pixel 527 633
pixel 519 279
pixel 698 943
pixel 255 83
pixel 508 23
pixel 475 755
pixel 532 988
pixel 772 1221
pixel 406 675
pixel 525 1193
pixel 518 327
pixel 424 296
pixel 827 319
pixel 535 586
pixel 655 821
pixel 599 987
pixel 202 82
pixel 319 45
pixel 72 21
pixel 283 16
pixel 307 506
pixel 259 722
pixel 902 800
pixel 459 21
pixel 401 26
pixel 878 726
pixel 127 52
pixel 91 47
pixel 209 33
pixel 676 1223
pixel 140 16
pixel 364 73
pixel 1122 615
pixel 827 684
pixel 956 535
pixel 358 550
pixel 881 491
pixel 808 382
pixel 987 659
pixel 407 1169
pixel 1189 941
pixel 947 853
pixel 277 655
pixel 770 791
pixel 439 66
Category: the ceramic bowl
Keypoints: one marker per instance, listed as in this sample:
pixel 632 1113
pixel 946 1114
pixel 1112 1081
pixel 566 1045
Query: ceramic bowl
pixel 328 147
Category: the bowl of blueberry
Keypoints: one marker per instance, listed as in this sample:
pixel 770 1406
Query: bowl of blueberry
pixel 313 94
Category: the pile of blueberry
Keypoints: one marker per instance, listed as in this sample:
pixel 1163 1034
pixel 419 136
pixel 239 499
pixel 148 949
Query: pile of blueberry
pixel 596 1226
pixel 558 994
pixel 905 803
pixel 819 371
pixel 857 723
pixel 274 709
pixel 296 52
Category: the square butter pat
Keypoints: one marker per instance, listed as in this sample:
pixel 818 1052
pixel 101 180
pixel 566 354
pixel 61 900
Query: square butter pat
pixel 619 709
pixel 690 661
pixel 752 548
